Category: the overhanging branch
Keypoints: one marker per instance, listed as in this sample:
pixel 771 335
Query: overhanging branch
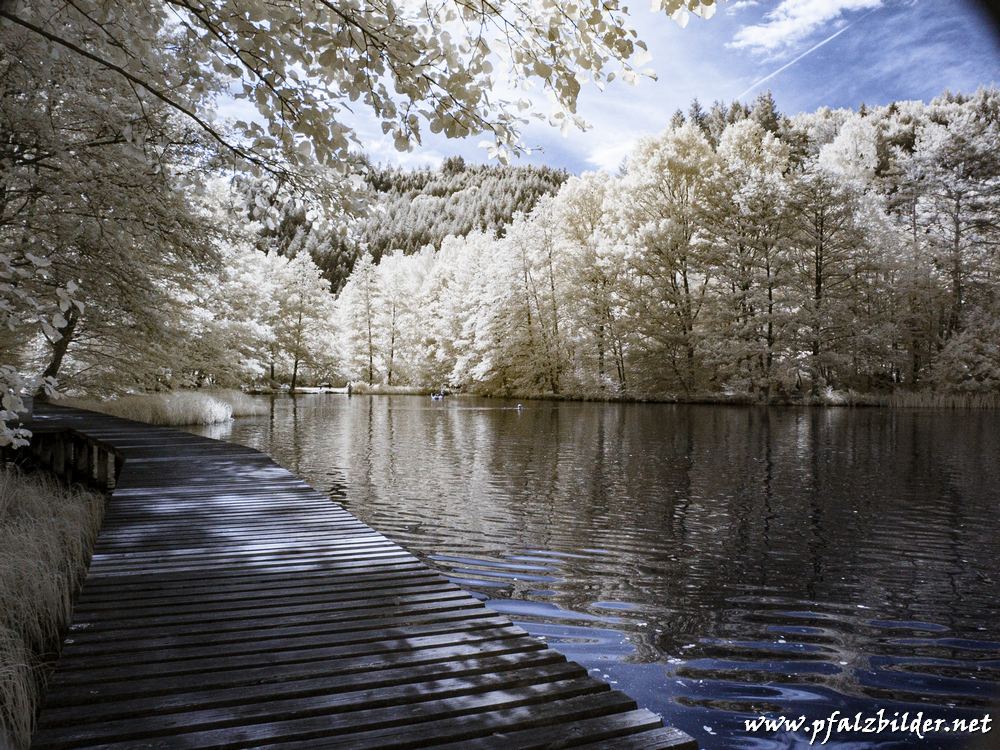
pixel 131 77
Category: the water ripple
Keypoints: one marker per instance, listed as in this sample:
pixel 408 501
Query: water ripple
pixel 716 563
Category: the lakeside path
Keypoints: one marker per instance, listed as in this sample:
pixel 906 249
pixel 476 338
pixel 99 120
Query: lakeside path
pixel 230 605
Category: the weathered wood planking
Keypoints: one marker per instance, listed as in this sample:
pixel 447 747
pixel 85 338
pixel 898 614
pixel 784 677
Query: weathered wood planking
pixel 230 605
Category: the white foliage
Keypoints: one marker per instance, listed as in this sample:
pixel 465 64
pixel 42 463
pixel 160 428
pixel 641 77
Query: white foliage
pixel 854 152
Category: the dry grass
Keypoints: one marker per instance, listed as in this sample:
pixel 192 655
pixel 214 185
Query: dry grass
pixel 363 389
pixel 176 407
pixel 925 400
pixel 47 534
pixel 243 404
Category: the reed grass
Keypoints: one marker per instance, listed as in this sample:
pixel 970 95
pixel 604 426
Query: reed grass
pixel 176 407
pixel 242 404
pixel 379 389
pixel 924 400
pixel 47 533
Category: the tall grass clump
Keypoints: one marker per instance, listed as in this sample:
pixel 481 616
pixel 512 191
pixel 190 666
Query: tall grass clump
pixel 925 400
pixel 243 404
pixel 47 533
pixel 380 389
pixel 176 407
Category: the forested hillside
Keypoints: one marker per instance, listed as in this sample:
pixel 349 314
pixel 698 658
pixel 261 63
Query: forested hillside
pixel 412 209
pixel 740 252
pixel 407 210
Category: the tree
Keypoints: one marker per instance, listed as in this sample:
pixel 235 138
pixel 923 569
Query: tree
pixel 516 329
pixel 699 118
pixel 229 327
pixel 400 280
pixel 449 306
pixel 765 112
pixel 956 164
pixel 658 207
pixel 595 260
pixel 543 271
pixel 356 312
pixel 92 220
pixel 854 152
pixel 748 220
pixel 304 312
pixel 827 246
pixel 413 65
pixel 410 210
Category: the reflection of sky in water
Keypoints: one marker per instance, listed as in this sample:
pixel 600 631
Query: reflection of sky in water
pixel 712 562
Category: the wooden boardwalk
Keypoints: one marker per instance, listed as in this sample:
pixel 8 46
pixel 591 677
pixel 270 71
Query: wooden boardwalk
pixel 230 605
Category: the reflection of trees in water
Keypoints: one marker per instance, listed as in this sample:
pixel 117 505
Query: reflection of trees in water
pixel 730 528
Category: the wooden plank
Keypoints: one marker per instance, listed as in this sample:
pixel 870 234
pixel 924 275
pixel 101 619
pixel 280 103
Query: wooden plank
pixel 397 627
pixel 209 653
pixel 117 690
pixel 559 712
pixel 368 705
pixel 618 730
pixel 655 739
pixel 275 655
pixel 113 630
pixel 230 605
pixel 256 587
pixel 460 715
pixel 82 713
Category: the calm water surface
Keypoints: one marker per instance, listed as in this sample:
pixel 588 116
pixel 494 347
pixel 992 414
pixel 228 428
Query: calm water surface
pixel 712 562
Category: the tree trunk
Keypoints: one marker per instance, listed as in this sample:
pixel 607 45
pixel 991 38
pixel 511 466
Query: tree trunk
pixel 600 355
pixel 818 273
pixel 59 349
pixel 957 272
pixel 298 349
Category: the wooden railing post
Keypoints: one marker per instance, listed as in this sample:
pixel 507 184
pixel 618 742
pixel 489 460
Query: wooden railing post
pixel 59 455
pixel 102 468
pixel 45 451
pixel 81 459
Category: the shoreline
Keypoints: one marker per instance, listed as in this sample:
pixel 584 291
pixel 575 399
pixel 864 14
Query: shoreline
pixel 902 400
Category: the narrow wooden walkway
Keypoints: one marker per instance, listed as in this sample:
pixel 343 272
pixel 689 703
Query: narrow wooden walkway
pixel 230 605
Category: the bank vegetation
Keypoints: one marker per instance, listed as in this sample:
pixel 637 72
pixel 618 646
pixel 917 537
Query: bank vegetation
pixel 47 533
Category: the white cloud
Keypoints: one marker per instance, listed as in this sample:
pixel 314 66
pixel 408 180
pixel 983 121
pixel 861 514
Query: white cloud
pixel 741 4
pixel 382 150
pixel 794 20
pixel 610 155
pixel 238 109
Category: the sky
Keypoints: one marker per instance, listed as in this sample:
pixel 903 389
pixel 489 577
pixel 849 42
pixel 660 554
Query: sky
pixel 808 53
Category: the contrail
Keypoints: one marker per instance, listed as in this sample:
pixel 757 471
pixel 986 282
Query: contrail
pixel 807 52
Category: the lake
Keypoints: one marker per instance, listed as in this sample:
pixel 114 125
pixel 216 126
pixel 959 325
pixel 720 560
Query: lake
pixel 713 562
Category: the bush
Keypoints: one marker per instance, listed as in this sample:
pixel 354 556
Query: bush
pixel 47 533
